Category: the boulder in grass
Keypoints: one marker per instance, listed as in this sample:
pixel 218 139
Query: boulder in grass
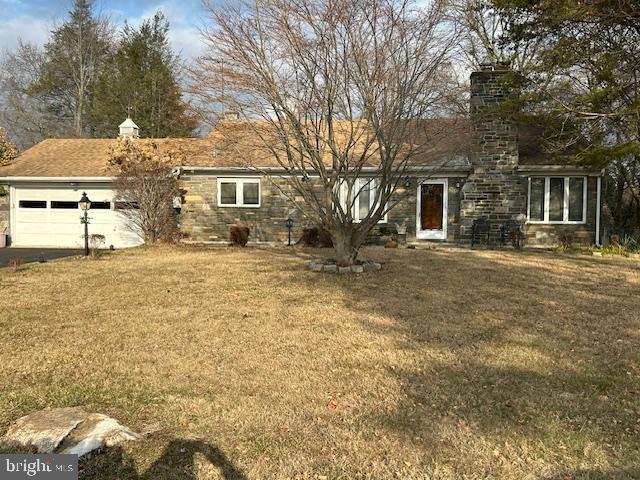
pixel 69 430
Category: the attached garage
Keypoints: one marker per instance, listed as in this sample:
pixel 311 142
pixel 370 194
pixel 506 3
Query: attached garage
pixel 49 216
pixel 46 182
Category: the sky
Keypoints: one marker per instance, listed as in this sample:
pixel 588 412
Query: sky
pixel 32 20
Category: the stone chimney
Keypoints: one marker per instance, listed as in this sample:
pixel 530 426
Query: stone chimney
pixel 129 129
pixel 493 190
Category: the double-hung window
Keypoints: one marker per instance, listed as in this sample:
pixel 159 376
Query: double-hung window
pixel 557 199
pixel 364 193
pixel 239 192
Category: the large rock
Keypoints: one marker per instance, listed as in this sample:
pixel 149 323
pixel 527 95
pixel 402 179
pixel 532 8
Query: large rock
pixel 66 430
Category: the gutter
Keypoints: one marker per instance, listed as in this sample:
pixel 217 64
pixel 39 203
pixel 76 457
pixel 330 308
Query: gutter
pixel 177 171
pixel 259 170
pixel 58 179
pixel 564 169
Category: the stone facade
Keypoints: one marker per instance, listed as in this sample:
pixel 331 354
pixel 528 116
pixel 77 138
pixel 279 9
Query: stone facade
pixel 493 190
pixel 204 221
pixel 4 207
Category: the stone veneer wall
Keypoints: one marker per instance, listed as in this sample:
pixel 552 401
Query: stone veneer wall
pixel 4 208
pixel 493 189
pixel 204 221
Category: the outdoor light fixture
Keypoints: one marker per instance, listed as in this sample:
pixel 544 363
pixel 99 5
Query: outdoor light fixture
pixel 85 206
pixel 289 225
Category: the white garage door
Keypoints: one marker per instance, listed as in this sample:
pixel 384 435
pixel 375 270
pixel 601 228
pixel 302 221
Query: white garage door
pixel 50 217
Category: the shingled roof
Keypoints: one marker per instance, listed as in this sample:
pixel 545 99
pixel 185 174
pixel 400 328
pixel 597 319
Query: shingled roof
pixel 83 157
pixel 230 144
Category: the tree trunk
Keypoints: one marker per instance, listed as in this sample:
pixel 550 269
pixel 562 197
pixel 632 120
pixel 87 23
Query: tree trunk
pixel 346 247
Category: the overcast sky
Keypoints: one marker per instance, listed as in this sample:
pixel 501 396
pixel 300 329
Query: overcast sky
pixel 32 20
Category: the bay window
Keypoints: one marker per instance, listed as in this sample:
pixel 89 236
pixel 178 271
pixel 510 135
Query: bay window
pixel 557 199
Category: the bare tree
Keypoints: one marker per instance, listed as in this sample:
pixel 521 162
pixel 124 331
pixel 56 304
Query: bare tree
pixel 22 112
pixel 343 90
pixel 483 29
pixel 145 187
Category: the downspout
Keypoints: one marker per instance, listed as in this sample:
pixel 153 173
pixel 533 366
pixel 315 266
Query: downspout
pixel 598 207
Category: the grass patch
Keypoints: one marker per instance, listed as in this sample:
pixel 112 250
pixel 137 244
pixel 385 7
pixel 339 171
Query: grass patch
pixel 448 364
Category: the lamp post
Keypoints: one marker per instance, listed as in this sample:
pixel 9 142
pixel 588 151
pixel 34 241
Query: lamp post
pixel 289 225
pixel 85 206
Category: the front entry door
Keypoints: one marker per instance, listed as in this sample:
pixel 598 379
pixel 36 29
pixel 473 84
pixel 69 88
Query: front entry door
pixel 432 210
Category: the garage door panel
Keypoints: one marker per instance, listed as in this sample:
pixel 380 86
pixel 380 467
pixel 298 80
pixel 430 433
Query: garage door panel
pixel 61 227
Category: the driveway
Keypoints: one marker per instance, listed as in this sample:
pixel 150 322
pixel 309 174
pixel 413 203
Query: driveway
pixel 34 254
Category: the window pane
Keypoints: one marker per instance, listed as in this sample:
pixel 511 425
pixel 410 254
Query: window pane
pixel 556 199
pixel 536 200
pixel 251 193
pixel 64 205
pixel 364 199
pixel 32 204
pixel 100 205
pixel 227 193
pixel 576 199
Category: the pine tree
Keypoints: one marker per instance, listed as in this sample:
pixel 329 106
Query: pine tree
pixel 142 81
pixel 74 58
pixel 585 85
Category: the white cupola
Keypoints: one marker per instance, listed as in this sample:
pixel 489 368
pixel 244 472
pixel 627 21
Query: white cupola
pixel 129 129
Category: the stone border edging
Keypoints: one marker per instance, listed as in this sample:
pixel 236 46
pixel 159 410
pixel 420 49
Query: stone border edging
pixel 319 266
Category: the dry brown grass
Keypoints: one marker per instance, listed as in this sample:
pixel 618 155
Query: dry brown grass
pixel 446 365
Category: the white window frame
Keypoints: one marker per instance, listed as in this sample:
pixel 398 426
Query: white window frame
pixel 547 196
pixel 240 182
pixel 357 187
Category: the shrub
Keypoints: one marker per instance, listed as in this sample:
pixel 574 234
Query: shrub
pixel 239 235
pixel 315 237
pixel 16 263
pixel 630 243
pixel 96 241
pixel 147 187
pixel 565 242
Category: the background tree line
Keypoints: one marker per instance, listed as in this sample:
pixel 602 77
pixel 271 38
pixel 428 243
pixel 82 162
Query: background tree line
pixel 89 76
pixel 579 62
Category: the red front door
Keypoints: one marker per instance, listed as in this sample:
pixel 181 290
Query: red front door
pixel 432 206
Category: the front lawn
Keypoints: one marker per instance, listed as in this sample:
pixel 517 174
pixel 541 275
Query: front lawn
pixel 448 364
